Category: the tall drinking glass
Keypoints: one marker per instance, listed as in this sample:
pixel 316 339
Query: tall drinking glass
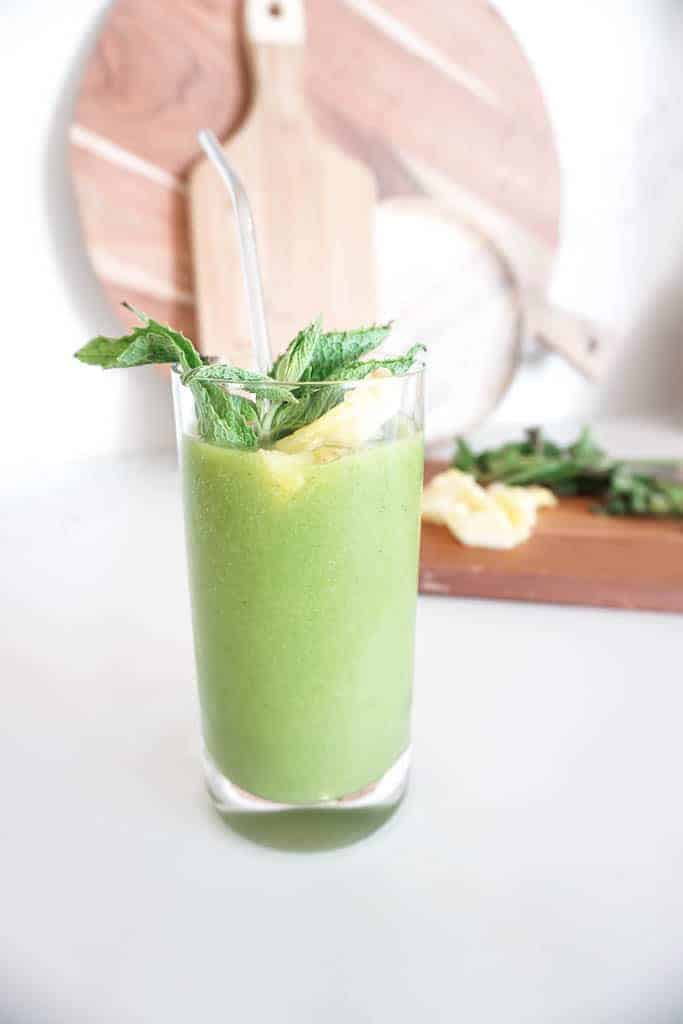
pixel 303 580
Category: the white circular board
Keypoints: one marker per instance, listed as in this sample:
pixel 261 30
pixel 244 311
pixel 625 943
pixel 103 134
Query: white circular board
pixel 446 285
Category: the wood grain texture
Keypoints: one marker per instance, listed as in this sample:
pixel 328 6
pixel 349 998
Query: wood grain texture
pixel 451 93
pixel 574 557
pixel 313 210
pixel 501 149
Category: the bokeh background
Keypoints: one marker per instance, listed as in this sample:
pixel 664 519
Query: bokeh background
pixel 610 74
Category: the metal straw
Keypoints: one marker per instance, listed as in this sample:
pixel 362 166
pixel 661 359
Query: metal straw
pixel 248 253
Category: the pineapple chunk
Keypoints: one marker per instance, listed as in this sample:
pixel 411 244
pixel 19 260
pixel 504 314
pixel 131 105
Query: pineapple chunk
pixel 360 417
pixel 288 473
pixel 498 516
pixel 329 453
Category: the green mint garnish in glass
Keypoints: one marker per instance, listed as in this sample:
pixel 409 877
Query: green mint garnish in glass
pixel 276 408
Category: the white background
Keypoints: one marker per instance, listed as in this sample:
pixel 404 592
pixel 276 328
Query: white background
pixel 612 75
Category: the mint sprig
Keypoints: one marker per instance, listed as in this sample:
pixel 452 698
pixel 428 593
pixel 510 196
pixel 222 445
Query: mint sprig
pixel 312 403
pixel 278 406
pixel 263 387
pixel 398 365
pixel 151 343
pixel 333 356
pixel 223 418
pixel 297 358
pixel 338 349
pixel 623 488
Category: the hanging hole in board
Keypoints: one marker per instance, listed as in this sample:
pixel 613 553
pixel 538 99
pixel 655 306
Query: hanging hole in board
pixel 593 344
pixel 275 10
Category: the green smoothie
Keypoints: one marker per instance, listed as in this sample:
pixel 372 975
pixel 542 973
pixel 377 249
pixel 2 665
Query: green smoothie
pixel 302 487
pixel 303 581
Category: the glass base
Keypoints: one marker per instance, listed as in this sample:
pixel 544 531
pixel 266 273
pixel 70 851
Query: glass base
pixel 230 799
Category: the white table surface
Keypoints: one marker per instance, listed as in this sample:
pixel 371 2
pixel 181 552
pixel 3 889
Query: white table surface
pixel 534 872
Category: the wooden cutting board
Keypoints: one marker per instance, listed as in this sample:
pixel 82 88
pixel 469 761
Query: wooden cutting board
pixel 574 557
pixel 312 206
pixel 436 98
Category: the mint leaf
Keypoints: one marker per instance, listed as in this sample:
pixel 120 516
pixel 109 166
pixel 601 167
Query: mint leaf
pixel 397 365
pixel 296 359
pixel 188 357
pixel 102 351
pixel 264 387
pixel 152 343
pixel 464 458
pixel 338 348
pixel 222 418
pixel 187 353
pixel 150 347
pixel 312 404
pixel 225 419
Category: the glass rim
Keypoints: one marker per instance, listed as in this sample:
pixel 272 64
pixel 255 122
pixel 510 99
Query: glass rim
pixel 418 369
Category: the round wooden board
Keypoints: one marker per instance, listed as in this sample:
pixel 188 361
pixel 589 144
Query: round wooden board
pixel 437 98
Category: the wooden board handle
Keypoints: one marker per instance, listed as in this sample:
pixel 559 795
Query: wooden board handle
pixel 582 342
pixel 275 35
pixel 275 22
